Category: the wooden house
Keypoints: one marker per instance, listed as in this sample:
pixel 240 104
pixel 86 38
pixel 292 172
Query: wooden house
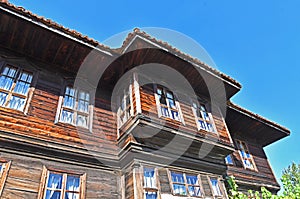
pixel 70 129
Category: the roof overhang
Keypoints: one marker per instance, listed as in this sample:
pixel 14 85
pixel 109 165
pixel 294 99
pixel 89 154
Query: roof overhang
pixel 243 123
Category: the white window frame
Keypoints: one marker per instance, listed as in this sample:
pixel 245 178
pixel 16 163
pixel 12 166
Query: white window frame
pixel 153 180
pixel 231 157
pixel 127 109
pixel 60 108
pixel 221 193
pixel 245 150
pixel 211 120
pixel 44 181
pixel 185 184
pixel 10 92
pixel 159 107
pixel 5 166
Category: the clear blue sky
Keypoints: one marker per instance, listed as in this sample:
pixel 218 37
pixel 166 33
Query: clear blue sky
pixel 255 42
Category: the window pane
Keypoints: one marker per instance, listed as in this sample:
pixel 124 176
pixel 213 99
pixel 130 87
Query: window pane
pixel 73 183
pixel 83 106
pixel 150 195
pixel 21 88
pixel 179 189
pixel 192 179
pixel 177 177
pixel 50 194
pixel 69 102
pixel 215 187
pixel 6 83
pixel 210 127
pixel 159 91
pixel 2 98
pixel 72 195
pixel 170 95
pixel 172 103
pixel 81 120
pixel 175 115
pixel 54 181
pixel 165 111
pixel 194 191
pixel 162 99
pixel 67 117
pixel 228 159
pixel 202 124
pixel 149 178
pixel 16 103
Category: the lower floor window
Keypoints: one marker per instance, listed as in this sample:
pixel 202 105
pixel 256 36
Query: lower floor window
pixel 216 190
pixel 150 183
pixel 150 195
pixel 185 184
pixel 4 167
pixel 60 185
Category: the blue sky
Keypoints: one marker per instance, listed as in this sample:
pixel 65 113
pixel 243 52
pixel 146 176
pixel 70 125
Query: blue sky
pixel 255 42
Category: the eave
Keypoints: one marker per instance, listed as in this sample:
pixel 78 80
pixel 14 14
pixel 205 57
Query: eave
pixel 244 123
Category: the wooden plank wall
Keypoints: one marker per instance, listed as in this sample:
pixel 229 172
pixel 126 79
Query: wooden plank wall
pixel 24 177
pixel 264 173
pixel 39 121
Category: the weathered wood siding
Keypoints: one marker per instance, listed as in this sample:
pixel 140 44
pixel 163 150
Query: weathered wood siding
pixel 24 176
pixel 40 119
pixel 264 173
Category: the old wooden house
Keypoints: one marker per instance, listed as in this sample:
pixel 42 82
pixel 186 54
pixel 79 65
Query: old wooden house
pixel 70 129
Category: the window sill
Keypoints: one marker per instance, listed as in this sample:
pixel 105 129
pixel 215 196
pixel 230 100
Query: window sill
pixel 72 126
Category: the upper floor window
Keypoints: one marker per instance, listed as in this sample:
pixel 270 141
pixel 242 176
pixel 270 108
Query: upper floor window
pixel 125 106
pixel 14 87
pixel 203 117
pixel 228 159
pixel 247 159
pixel 75 107
pixel 216 189
pixel 185 184
pixel 150 184
pixel 4 167
pixel 167 104
pixel 60 185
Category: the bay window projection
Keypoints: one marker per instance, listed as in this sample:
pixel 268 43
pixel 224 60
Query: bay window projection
pixel 14 87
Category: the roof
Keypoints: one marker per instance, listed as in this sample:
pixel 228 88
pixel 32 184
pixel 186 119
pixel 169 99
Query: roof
pixel 5 5
pixel 258 117
pixel 136 31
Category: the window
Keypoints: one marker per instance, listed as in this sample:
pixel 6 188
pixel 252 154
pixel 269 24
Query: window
pixel 125 107
pixel 60 185
pixel 185 184
pixel 245 155
pixel 4 168
pixel 14 87
pixel 167 105
pixel 215 187
pixel 228 159
pixel 203 117
pixel 75 108
pixel 150 184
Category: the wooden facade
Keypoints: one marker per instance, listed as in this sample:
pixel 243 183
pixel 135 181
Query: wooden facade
pixel 69 130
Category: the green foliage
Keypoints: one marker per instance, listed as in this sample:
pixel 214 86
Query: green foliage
pixel 291 186
pixel 291 181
